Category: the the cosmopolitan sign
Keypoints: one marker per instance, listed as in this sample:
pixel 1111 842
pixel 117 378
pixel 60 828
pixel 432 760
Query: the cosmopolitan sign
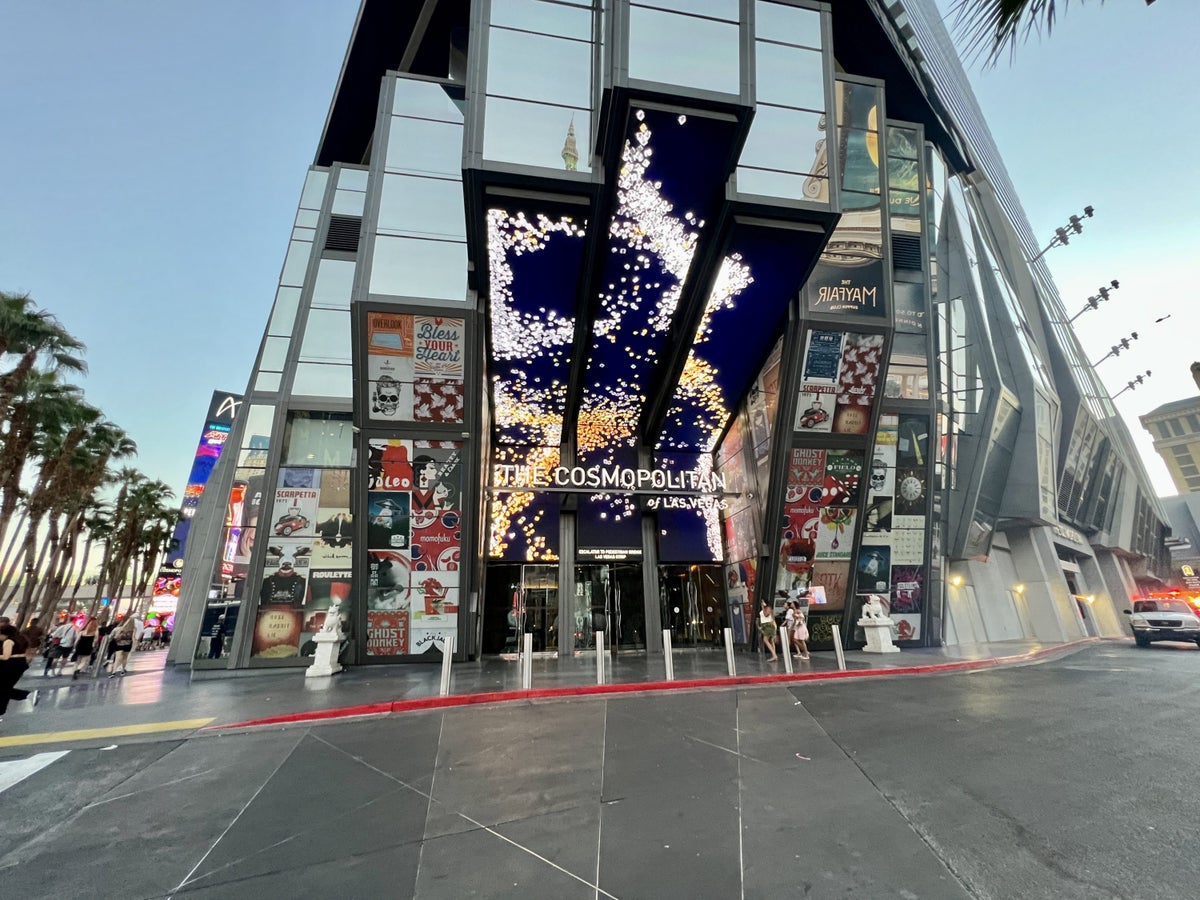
pixel 605 478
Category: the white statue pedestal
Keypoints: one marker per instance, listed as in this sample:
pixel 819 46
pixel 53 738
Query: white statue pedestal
pixel 325 659
pixel 879 635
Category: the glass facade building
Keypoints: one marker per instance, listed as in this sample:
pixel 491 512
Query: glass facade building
pixel 629 315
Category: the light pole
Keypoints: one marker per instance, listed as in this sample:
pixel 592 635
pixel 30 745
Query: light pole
pixel 1132 386
pixel 1094 301
pixel 1122 344
pixel 1062 235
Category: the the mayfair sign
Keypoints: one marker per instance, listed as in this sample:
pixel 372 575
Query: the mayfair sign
pixel 605 478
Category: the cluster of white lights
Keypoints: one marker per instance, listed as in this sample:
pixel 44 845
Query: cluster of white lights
pixel 647 232
pixel 523 407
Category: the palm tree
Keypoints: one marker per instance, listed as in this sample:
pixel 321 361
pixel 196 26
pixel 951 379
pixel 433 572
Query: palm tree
pixel 32 335
pixel 140 504
pixel 988 28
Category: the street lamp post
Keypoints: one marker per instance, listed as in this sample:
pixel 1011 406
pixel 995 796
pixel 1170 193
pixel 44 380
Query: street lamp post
pixel 1094 301
pixel 1132 386
pixel 1062 235
pixel 1122 344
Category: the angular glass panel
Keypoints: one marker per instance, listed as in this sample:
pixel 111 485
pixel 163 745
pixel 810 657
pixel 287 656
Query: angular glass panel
pixel 533 134
pixel 425 100
pixel 283 316
pixel 860 166
pixel 352 180
pixel 718 9
pixel 424 148
pixel 789 76
pixel 422 206
pixel 785 185
pixel 776 22
pixel 858 105
pixel 785 139
pixel 307 218
pixel 348 203
pixel 413 267
pixel 536 67
pixel 274 354
pixel 903 174
pixel 334 283
pixel 268 382
pixel 313 194
pixel 295 265
pixel 902 142
pixel 318 439
pixel 314 380
pixel 548 18
pixel 326 336
pixel 258 425
pixel 303 234
pixel 684 50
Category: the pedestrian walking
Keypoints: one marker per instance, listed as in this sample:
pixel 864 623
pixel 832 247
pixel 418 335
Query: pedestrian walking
pixel 35 637
pixel 768 628
pixel 85 646
pixel 60 646
pixel 12 666
pixel 789 622
pixel 800 633
pixel 122 642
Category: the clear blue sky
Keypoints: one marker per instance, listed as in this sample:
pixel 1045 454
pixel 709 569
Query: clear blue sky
pixel 154 151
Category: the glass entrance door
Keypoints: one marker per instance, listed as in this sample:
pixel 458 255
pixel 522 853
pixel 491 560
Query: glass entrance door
pixel 693 604
pixel 609 596
pixel 520 599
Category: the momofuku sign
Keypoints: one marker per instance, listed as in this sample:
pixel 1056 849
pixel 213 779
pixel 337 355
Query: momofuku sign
pixel 604 478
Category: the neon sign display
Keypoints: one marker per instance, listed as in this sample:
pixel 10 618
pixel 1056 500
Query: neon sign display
pixel 606 478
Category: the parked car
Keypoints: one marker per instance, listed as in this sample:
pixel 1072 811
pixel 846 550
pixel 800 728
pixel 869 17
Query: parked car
pixel 1163 620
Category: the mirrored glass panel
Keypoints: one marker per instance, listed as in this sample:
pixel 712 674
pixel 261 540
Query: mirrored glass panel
pixel 789 24
pixel 352 180
pixel 348 203
pixel 533 134
pixel 684 50
pixel 717 9
pixel 274 354
pixel 786 139
pixel 295 265
pixel 267 382
pixel 422 206
pixel 424 148
pixel 789 76
pixel 425 100
pixel 334 282
pixel 326 336
pixel 258 424
pixel 537 67
pixel 283 316
pixel 307 218
pixel 318 439
pixel 315 380
pixel 550 18
pixel 412 267
pixel 314 189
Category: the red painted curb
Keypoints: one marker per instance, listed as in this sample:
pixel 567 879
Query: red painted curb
pixel 426 703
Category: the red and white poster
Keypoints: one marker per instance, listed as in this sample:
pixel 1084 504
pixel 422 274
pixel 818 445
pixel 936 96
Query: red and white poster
pixel 387 633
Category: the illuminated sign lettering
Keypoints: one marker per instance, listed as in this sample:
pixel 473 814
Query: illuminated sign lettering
pixel 602 478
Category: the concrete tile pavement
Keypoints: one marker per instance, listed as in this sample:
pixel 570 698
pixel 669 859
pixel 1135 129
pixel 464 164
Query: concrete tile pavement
pixel 153 697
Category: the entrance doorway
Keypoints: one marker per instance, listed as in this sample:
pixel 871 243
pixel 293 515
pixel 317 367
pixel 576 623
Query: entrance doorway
pixel 520 599
pixel 609 596
pixel 693 604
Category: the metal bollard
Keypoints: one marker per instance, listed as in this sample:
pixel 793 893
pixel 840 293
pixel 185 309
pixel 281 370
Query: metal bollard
pixel 729 652
pixel 787 655
pixel 668 658
pixel 447 660
pixel 527 662
pixel 599 657
pixel 837 646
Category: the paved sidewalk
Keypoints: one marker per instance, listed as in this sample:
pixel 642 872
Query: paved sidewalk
pixel 152 702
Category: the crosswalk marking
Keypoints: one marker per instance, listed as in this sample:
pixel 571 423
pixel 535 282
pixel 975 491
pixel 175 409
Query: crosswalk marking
pixel 14 771
pixel 87 734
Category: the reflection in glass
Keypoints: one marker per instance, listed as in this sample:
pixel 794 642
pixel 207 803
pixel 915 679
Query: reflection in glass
pixel 352 180
pixel 902 142
pixel 533 134
pixel 316 380
pixel 536 67
pixel 318 439
pixel 424 148
pixel 283 316
pixel 786 185
pixel 334 282
pixel 789 76
pixel 786 139
pixel 326 336
pixel 549 18
pixel 431 207
pixel 258 424
pixel 425 100
pixel 314 189
pixel 776 22
pixel 274 354
pixel 684 50
pixel 295 265
pixel 717 9
pixel 413 267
